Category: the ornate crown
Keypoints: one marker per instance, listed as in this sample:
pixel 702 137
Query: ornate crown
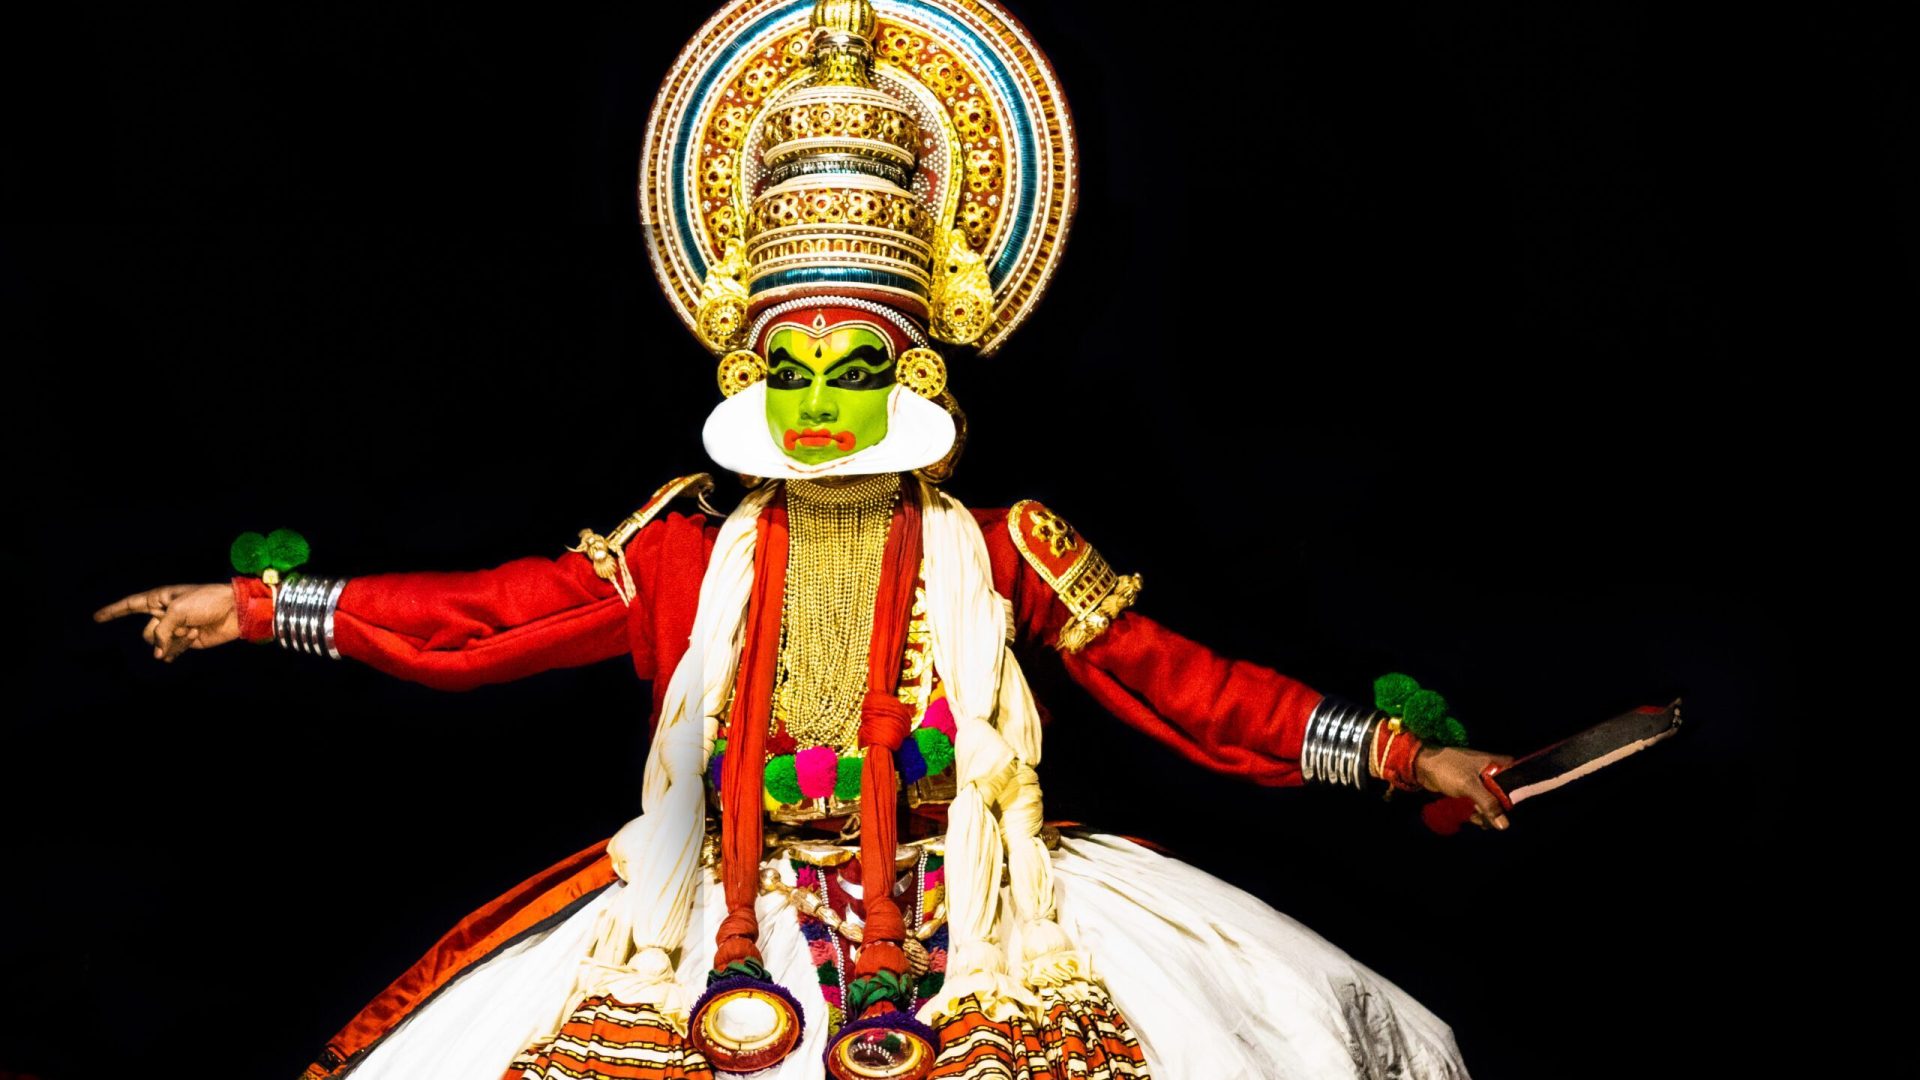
pixel 837 205
pixel 911 153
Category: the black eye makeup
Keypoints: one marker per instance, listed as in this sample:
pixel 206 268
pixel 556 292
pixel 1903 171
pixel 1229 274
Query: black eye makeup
pixel 785 373
pixel 790 377
pixel 865 368
pixel 860 378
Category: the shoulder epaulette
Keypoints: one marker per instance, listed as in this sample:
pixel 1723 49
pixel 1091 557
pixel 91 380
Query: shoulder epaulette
pixel 1093 594
pixel 609 553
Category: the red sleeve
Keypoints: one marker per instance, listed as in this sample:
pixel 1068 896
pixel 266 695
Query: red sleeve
pixel 1227 715
pixel 455 631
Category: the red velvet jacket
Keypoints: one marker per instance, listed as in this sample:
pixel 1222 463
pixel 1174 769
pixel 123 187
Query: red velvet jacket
pixel 459 630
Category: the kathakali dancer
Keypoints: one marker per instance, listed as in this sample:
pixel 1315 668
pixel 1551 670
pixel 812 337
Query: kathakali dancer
pixel 842 866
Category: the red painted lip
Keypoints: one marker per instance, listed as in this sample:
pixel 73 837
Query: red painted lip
pixel 816 438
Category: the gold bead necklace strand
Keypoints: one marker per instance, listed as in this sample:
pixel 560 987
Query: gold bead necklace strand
pixel 837 538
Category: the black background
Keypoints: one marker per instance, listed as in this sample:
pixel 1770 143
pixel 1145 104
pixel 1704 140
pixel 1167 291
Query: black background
pixel 1525 348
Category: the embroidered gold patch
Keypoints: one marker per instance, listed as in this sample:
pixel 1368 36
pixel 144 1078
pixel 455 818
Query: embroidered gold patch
pixel 1086 584
pixel 1051 529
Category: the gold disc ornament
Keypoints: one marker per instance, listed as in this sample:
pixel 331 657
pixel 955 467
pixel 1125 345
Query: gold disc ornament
pixel 923 372
pixel 739 370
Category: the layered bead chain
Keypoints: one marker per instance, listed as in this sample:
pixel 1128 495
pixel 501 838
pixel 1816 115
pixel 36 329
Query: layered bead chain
pixel 837 539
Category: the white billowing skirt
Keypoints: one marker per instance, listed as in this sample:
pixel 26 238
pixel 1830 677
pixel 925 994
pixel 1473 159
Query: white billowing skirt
pixel 1216 984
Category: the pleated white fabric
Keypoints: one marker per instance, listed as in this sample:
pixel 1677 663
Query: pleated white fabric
pixel 1218 985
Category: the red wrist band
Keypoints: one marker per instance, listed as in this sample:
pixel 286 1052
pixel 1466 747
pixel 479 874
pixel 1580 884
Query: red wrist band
pixel 253 603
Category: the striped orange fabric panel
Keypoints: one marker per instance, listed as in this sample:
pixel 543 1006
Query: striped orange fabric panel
pixel 606 1040
pixel 1083 1039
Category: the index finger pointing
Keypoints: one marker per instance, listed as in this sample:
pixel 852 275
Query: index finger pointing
pixel 144 603
pixel 124 606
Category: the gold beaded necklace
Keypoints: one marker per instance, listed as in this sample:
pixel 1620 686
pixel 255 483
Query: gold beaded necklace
pixel 836 540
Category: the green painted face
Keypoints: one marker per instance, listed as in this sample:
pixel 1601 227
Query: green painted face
pixel 827 394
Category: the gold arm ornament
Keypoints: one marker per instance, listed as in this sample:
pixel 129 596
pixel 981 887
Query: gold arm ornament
pixel 1094 595
pixel 609 553
pixel 1079 633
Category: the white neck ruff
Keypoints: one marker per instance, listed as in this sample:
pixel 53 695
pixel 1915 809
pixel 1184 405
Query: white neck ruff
pixel 919 433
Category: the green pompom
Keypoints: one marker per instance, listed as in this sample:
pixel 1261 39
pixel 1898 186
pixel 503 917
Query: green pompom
pixel 936 748
pixel 249 554
pixel 846 786
pixel 879 986
pixel 1425 711
pixel 719 747
pixel 1391 691
pixel 286 550
pixel 741 969
pixel 783 783
pixel 1452 733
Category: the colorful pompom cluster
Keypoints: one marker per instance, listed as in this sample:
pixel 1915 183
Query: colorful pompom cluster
pixel 281 550
pixel 819 771
pixel 1422 713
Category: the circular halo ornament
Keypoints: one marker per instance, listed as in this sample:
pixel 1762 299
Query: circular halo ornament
pixel 923 372
pixel 953 157
pixel 739 370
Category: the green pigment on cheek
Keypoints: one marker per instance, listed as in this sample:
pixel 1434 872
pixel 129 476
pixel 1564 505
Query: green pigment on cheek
pixel 809 416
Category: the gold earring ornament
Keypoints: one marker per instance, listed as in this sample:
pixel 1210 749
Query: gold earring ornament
pixel 923 372
pixel 739 370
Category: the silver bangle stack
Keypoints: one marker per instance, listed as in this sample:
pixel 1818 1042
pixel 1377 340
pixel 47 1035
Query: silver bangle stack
pixel 303 614
pixel 1339 734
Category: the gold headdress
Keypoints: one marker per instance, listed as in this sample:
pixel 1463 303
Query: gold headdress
pixel 914 154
